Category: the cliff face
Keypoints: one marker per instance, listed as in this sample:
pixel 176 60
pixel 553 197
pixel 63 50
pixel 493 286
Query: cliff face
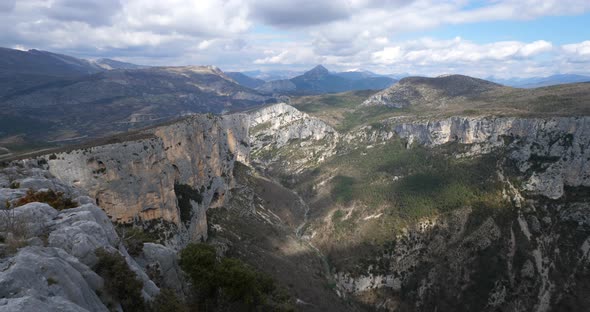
pixel 525 250
pixel 528 251
pixel 284 138
pixel 550 153
pixel 48 257
pixel 169 178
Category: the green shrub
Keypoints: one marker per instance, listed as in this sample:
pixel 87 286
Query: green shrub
pixel 342 188
pixel 242 283
pixel 134 237
pixel 229 281
pixel 337 215
pixel 184 194
pixel 199 262
pixel 167 301
pixel 119 281
pixel 51 281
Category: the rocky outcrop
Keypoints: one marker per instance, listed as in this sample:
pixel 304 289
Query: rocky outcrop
pixel 551 152
pixel 47 256
pixel 282 134
pixel 434 92
pixel 516 261
pixel 167 178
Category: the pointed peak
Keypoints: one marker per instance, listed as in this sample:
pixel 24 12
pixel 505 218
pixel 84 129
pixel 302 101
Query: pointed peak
pixel 318 70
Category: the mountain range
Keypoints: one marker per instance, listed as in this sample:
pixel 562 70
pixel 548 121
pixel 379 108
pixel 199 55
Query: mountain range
pixel 319 80
pixel 245 80
pixel 536 82
pixel 447 193
pixel 435 194
pixel 47 97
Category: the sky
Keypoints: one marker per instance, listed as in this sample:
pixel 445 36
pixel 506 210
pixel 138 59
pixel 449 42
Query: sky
pixel 500 38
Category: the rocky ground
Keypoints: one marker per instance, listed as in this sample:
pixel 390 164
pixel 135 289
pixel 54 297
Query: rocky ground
pixel 402 213
pixel 519 244
pixel 49 256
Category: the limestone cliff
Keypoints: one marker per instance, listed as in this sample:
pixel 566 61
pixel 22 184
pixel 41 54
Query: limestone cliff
pixel 280 134
pixel 166 179
pixel 48 257
pixel 550 152
pixel 527 253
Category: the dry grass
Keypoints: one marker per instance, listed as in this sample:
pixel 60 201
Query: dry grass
pixel 13 231
pixel 56 200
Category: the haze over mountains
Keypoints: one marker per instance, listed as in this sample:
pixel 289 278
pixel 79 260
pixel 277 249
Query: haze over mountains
pixel 536 82
pixel 51 97
pixel 355 192
pixel 48 97
pixel 319 80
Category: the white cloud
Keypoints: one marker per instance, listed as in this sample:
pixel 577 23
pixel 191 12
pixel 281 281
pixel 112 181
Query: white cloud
pixel 581 49
pixel 536 47
pixel 338 33
pixel 458 51
pixel 203 18
pixel 388 55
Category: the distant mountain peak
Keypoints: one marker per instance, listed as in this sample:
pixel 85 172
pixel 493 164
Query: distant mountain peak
pixel 317 71
pixel 420 90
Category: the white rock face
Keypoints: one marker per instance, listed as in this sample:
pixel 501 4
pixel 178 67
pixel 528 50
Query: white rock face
pixel 134 181
pixel 163 260
pixel 558 145
pixel 287 123
pixel 551 152
pixel 282 132
pixel 362 283
pixel 53 271
pixel 44 272
pixel 32 304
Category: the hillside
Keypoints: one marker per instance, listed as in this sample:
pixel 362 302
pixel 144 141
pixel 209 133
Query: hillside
pixel 351 207
pixel 423 91
pixel 20 70
pixel 418 209
pixel 429 98
pixel 117 100
pixel 109 64
pixel 44 63
pixel 537 82
pixel 245 80
pixel 319 80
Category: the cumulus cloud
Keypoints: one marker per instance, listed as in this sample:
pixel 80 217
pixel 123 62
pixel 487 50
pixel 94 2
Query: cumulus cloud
pixel 298 13
pixel 200 18
pixel 252 33
pixel 582 48
pixel 95 13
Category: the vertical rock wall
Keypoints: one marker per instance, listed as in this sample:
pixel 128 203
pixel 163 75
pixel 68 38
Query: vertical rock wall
pixel 168 178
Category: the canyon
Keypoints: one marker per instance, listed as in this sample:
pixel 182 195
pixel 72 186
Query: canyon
pixel 401 213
